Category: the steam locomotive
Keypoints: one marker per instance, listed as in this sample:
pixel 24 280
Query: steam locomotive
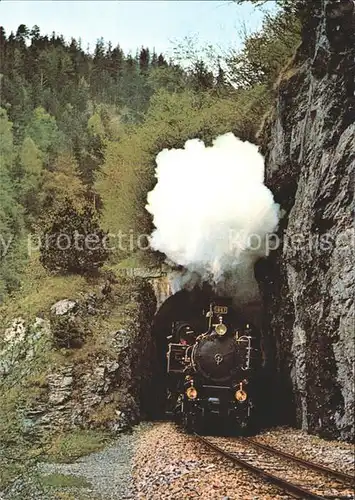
pixel 212 369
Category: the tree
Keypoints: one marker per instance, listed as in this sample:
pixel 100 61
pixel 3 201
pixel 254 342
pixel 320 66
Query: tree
pixel 287 5
pixel 2 48
pixel 35 35
pixel 59 185
pixel 6 140
pixel 161 60
pixel 95 126
pixel 171 78
pixel 73 241
pixel 144 59
pixel 43 130
pixel 31 174
pixel 22 34
pixel 266 52
pixel 116 63
pixel 12 255
pixel 222 86
pixel 202 78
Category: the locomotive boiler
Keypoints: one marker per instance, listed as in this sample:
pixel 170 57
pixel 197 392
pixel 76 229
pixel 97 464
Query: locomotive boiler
pixel 212 368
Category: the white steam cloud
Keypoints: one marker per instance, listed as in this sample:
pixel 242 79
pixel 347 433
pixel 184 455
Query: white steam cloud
pixel 213 213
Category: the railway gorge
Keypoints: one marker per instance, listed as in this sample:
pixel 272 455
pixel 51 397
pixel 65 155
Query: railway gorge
pixel 304 312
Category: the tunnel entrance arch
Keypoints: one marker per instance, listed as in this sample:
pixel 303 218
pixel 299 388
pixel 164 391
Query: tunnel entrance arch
pixel 187 305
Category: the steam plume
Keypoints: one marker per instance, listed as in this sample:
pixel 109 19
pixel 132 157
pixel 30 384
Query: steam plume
pixel 213 213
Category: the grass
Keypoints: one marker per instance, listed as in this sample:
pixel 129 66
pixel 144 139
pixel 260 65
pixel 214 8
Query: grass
pixel 79 495
pixel 63 481
pixel 68 447
pixel 29 383
pixel 128 263
pixel 137 259
pixel 39 290
pixel 8 472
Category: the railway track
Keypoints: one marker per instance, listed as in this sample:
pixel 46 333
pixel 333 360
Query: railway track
pixel 283 470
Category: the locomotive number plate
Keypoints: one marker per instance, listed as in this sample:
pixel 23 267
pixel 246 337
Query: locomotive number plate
pixel 220 310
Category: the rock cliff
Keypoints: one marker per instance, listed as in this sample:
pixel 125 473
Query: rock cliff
pixel 308 283
pixel 87 365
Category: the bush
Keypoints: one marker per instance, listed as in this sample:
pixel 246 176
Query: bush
pixel 69 331
pixel 73 241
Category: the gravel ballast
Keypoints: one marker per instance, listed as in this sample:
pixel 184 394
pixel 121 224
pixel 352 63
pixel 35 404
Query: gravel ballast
pixel 333 454
pixel 172 465
pixel 159 461
pixel 169 464
pixel 109 472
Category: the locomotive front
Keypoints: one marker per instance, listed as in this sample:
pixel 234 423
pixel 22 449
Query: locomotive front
pixel 213 372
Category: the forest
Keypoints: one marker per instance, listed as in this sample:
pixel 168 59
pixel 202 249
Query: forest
pixel 87 305
pixel 80 132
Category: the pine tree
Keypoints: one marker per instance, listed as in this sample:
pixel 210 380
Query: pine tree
pixel 144 59
pixel 202 78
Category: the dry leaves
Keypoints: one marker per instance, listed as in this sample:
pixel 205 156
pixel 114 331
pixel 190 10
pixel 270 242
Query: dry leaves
pixel 171 465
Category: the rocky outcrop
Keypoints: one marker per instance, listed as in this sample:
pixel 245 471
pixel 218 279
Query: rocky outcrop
pixel 162 289
pixel 308 284
pixel 160 279
pixel 105 381
pixel 96 392
pixel 21 344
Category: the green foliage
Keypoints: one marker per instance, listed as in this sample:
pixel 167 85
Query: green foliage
pixel 30 157
pixel 266 52
pixel 87 127
pixel 31 171
pixel 69 447
pixel 6 140
pixel 69 331
pixel 202 77
pixel 73 242
pixel 61 183
pixel 63 481
pixel 78 131
pixel 39 290
pixel 170 78
pixel 95 126
pixel 12 254
pixel 193 104
pixel 43 130
pixel 286 5
pixel 172 119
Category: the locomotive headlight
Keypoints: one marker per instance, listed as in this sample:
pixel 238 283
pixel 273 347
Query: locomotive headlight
pixel 240 395
pixel 191 392
pixel 221 329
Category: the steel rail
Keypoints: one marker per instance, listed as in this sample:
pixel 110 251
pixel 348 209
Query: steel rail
pixel 301 461
pixel 286 486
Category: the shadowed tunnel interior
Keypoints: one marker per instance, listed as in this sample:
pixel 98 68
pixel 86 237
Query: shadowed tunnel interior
pixel 188 305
